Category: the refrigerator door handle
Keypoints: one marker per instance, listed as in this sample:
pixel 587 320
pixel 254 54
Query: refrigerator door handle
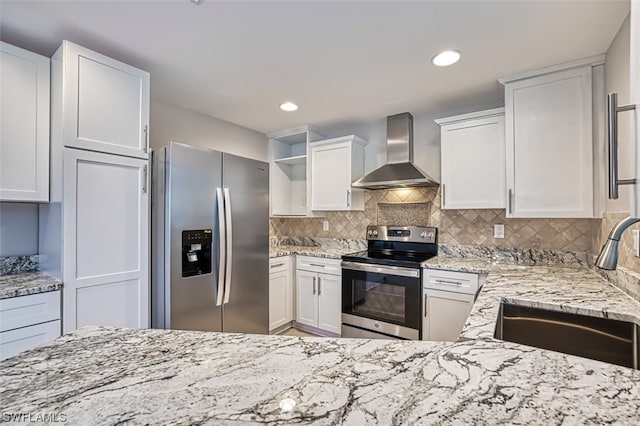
pixel 229 232
pixel 223 247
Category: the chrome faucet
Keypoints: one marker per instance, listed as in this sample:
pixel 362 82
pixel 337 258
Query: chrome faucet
pixel 608 257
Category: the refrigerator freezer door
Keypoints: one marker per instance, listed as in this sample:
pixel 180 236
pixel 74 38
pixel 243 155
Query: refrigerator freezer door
pixel 194 174
pixel 247 307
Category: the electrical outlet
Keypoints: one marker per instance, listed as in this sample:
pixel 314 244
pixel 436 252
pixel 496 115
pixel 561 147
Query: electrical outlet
pixel 498 230
pixel 325 225
pixel 636 242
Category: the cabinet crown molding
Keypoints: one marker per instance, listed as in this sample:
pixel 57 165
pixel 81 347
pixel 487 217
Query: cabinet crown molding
pixel 349 138
pixel 470 116
pixel 590 60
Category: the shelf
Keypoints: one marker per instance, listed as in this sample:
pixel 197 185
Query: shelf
pixel 293 161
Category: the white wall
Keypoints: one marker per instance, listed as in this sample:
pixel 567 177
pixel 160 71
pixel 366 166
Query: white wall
pixel 18 229
pixel 616 71
pixel 172 123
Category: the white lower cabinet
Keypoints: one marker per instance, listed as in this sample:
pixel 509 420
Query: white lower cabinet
pixel 319 293
pixel 28 321
pixel 448 297
pixel 444 314
pixel 280 293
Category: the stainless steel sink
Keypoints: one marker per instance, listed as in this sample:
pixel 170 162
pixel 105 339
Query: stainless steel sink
pixel 609 340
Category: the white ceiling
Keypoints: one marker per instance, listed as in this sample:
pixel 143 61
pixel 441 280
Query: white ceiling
pixel 340 61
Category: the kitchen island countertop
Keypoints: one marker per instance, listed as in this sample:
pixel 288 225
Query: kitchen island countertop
pixel 110 375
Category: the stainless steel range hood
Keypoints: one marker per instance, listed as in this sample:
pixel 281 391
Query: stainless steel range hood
pixel 399 172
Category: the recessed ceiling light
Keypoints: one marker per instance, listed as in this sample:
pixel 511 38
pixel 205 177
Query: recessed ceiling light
pixel 288 106
pixel 446 58
pixel 197 2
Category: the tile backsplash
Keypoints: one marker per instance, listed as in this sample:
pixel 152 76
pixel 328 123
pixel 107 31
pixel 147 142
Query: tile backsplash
pixel 456 227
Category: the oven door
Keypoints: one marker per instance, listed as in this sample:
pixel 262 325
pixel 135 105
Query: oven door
pixel 382 299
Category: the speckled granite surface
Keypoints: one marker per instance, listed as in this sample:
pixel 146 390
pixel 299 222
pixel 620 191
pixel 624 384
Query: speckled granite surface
pixel 11 265
pixel 107 375
pixel 19 276
pixel 27 283
pixel 331 248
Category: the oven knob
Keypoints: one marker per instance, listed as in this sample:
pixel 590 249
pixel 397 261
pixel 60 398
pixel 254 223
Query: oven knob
pixel 423 234
pixel 375 233
pixel 370 233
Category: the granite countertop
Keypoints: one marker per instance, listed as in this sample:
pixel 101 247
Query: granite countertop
pixel 111 375
pixel 27 283
pixel 326 252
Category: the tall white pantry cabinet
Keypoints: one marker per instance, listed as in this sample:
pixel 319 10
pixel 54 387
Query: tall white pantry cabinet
pixel 94 233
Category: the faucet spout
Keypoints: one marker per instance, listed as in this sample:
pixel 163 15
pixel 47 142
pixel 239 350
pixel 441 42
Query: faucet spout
pixel 608 257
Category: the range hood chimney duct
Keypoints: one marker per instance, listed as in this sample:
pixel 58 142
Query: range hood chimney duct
pixel 399 172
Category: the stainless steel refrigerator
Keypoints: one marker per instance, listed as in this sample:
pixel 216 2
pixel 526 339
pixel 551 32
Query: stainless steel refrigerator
pixel 210 219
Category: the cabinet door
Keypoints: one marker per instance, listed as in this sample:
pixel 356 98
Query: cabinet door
pixel 473 170
pixel 106 103
pixel 306 298
pixel 24 133
pixel 634 87
pixel 106 244
pixel 549 145
pixel 331 177
pixel 445 315
pixel 329 303
pixel 279 299
pixel 15 341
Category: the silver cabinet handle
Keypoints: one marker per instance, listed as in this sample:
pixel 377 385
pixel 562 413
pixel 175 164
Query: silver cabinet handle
pixel 146 138
pixel 510 200
pixel 348 198
pixel 223 247
pixel 425 305
pixel 612 111
pixel 317 264
pixel 275 265
pixel 144 179
pixel 229 231
pixel 319 286
pixel 458 283
pixel 314 285
pixel 443 197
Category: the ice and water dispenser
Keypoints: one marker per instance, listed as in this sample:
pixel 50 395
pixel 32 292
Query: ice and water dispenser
pixel 196 252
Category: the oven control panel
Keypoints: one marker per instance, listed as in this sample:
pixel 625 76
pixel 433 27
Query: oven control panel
pixel 418 234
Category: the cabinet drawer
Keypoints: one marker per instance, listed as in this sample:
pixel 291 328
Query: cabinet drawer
pixel 457 282
pixel 28 310
pixel 319 264
pixel 15 341
pixel 279 264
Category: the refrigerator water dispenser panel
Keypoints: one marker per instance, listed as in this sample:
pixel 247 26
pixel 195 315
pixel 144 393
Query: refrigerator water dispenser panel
pixel 196 252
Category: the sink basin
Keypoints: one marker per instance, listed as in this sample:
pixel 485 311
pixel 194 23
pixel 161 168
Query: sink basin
pixel 609 340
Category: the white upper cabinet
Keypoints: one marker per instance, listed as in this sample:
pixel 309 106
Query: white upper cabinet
pixel 24 133
pixel 335 164
pixel 473 160
pixel 105 102
pixel 290 171
pixel 634 86
pixel 549 143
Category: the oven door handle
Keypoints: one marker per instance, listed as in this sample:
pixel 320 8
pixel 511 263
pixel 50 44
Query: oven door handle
pixel 381 269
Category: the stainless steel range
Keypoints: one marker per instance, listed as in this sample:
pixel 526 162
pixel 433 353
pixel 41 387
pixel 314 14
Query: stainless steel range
pixel 382 286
